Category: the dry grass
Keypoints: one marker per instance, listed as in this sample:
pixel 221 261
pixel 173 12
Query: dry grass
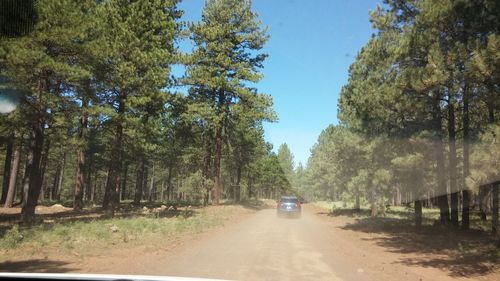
pixel 472 253
pixel 93 232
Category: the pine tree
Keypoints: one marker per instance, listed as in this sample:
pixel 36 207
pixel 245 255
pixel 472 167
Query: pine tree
pixel 40 65
pixel 224 63
pixel 285 158
pixel 137 51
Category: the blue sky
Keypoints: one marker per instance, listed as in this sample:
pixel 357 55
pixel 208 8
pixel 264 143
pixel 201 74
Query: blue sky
pixel 312 44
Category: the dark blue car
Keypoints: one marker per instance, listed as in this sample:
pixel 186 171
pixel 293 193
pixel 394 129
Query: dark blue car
pixel 289 206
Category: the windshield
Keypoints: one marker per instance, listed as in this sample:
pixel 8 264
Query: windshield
pixel 289 200
pixel 251 139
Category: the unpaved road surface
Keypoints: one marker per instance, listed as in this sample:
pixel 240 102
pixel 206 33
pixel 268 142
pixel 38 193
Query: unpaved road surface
pixel 260 246
pixel 265 247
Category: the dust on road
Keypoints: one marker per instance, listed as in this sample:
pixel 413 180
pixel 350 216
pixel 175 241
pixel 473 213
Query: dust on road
pixel 265 247
pixel 262 247
pixel 257 245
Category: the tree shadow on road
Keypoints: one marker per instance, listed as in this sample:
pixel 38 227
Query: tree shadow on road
pixel 472 253
pixel 36 265
pixel 254 204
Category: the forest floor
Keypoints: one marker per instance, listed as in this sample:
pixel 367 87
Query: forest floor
pixel 64 236
pixel 392 237
pixel 250 243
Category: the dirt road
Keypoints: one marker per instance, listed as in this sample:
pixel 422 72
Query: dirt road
pixel 260 246
pixel 264 247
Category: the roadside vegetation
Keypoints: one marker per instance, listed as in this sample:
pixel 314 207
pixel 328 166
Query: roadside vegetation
pixel 64 229
pixel 104 126
pixel 101 119
pixel 419 119
pixel 473 253
pixel 151 227
pixel 399 215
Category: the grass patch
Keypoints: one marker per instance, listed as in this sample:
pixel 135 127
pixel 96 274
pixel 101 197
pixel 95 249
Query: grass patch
pixel 329 205
pixel 81 236
pixel 395 214
pixel 11 238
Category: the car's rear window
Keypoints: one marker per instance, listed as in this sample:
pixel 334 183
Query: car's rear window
pixel 289 200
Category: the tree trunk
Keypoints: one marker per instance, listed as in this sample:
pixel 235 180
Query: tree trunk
pixel 442 198
pixel 169 183
pixel 374 210
pixel 106 198
pixel 54 183
pixel 357 204
pixel 249 186
pixel 123 189
pixel 115 164
pixel 162 191
pixel 151 187
pixel 481 198
pixel 43 167
pixel 398 196
pixel 237 191
pixel 80 156
pixel 418 213
pixel 373 204
pixel 495 185
pixel 80 180
pixel 466 161
pixel 206 197
pixel 26 177
pixel 452 161
pixel 99 190
pixel 145 189
pixel 232 186
pixel 36 147
pixel 9 200
pixel 118 190
pixel 60 180
pixel 6 169
pixel 218 147
pixel 494 208
pixel 93 188
pixel 88 183
pixel 217 158
pixel 139 182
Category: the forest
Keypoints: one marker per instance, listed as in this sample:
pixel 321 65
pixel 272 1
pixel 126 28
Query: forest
pixel 135 138
pixel 419 117
pixel 101 117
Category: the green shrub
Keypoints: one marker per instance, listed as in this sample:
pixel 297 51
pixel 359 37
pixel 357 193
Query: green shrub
pixel 12 238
